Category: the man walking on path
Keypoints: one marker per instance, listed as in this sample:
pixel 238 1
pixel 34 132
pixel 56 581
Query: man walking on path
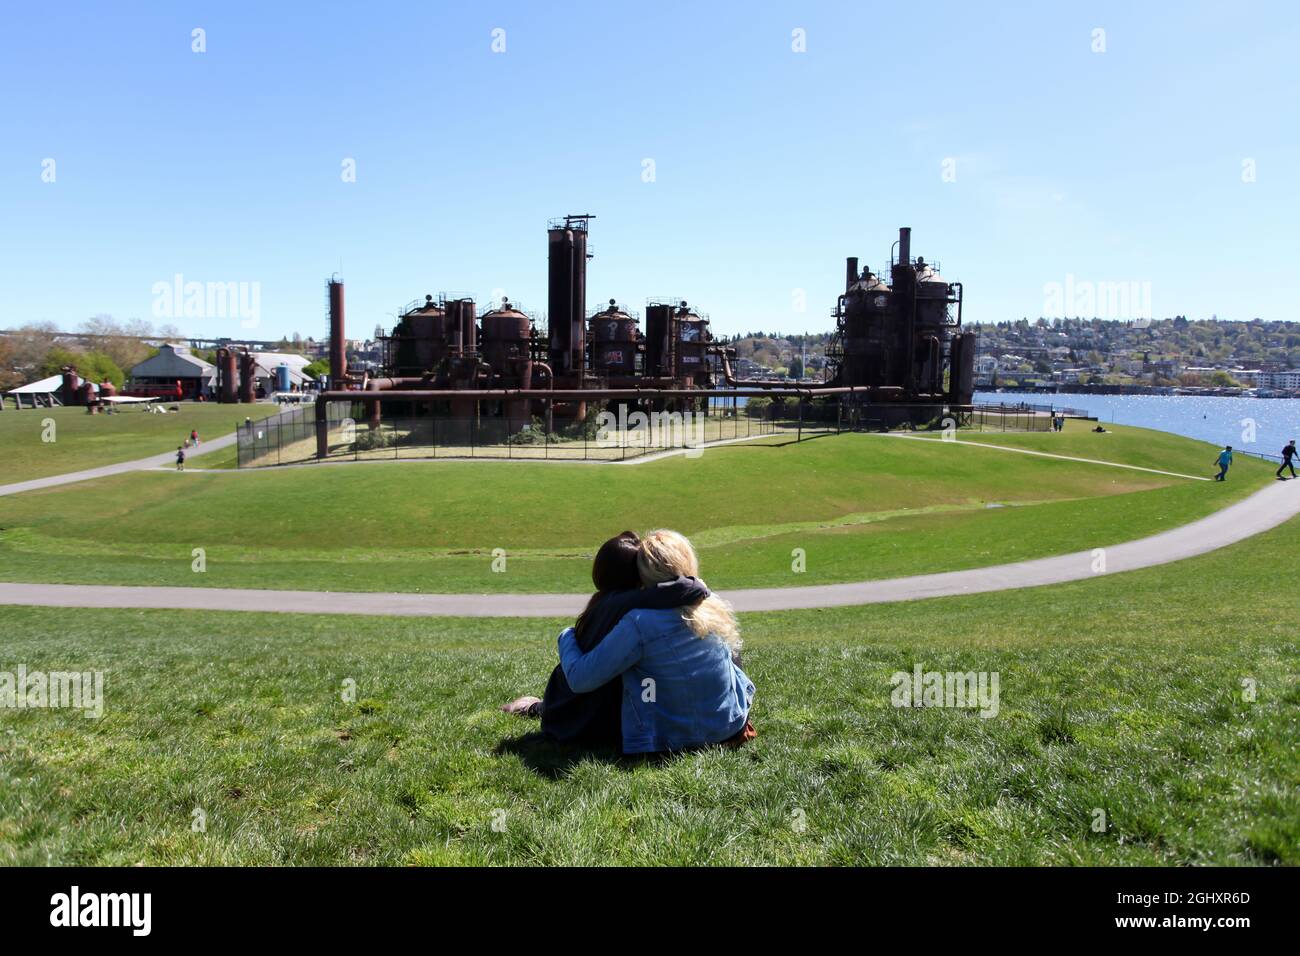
pixel 1288 459
pixel 1223 461
pixel 194 437
pixel 180 458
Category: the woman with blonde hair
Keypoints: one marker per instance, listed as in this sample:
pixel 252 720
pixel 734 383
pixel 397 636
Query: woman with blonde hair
pixel 682 682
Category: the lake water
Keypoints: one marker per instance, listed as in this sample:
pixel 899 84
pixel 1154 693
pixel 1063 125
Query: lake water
pixel 1220 421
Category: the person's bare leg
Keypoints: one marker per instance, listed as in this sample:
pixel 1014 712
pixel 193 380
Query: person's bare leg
pixel 524 707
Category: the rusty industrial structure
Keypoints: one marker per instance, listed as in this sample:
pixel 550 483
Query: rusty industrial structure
pixel 898 346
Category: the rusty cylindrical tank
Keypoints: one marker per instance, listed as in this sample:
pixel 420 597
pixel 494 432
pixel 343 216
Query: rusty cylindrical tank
pixel 692 346
pixel 423 339
pixel 506 348
pixel 247 372
pixel 614 335
pixel 226 376
pixel 70 390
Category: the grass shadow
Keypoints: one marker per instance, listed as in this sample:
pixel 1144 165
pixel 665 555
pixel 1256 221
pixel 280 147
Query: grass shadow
pixel 554 760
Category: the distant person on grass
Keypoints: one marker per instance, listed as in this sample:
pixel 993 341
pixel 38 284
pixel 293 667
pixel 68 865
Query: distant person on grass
pixel 676 662
pixel 180 458
pixel 194 437
pixel 1224 461
pixel 1288 459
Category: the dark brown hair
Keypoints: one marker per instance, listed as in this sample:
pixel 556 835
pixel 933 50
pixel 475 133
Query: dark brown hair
pixel 613 570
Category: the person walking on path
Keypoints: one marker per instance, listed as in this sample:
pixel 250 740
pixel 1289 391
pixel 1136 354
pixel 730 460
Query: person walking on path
pixel 180 458
pixel 194 437
pixel 1288 459
pixel 1223 461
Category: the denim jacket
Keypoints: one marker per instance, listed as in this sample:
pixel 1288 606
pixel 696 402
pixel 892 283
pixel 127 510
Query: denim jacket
pixel 597 717
pixel 679 690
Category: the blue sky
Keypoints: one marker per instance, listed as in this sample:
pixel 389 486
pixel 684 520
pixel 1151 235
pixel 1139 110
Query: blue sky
pixel 770 165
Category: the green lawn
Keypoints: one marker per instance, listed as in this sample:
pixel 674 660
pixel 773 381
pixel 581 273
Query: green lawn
pixel 1133 446
pixel 1122 694
pixel 84 441
pixel 860 506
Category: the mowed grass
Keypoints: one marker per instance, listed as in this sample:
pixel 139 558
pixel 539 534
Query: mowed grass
pixel 1119 443
pixel 858 506
pixel 84 441
pixel 1125 695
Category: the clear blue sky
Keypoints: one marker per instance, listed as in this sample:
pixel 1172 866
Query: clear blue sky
pixel 770 165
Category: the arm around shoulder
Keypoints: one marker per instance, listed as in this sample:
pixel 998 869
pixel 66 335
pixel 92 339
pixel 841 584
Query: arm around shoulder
pixel 620 649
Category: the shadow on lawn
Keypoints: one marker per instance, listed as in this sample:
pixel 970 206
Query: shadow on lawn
pixel 554 760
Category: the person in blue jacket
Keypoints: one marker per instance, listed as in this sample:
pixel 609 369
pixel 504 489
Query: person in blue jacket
pixel 1224 461
pixel 679 667
pixel 595 717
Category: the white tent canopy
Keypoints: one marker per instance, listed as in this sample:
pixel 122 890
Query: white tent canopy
pixel 45 386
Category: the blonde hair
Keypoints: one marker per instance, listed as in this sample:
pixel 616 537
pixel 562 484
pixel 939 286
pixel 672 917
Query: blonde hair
pixel 665 555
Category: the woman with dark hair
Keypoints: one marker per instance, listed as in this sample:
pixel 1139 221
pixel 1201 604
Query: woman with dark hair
pixel 595 717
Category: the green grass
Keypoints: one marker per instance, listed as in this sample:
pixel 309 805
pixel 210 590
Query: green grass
pixel 1122 693
pixel 1131 446
pixel 860 506
pixel 84 441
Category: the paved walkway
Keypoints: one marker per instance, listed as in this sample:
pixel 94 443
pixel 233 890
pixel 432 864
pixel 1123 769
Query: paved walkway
pixel 1261 511
pixel 140 464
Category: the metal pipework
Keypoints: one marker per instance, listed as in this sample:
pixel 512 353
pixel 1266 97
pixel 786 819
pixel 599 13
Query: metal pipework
pixel 570 394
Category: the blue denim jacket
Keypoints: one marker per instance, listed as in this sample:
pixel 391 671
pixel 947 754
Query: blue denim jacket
pixel 679 690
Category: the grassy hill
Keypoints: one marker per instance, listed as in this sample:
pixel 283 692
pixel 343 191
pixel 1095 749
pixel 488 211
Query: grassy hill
pixel 1122 694
pixel 860 506
pixel 84 441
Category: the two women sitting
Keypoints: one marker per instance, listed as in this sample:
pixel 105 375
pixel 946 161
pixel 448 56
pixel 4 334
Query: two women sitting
pixel 653 662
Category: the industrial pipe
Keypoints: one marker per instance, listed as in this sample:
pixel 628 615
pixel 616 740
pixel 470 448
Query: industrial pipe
pixel 793 391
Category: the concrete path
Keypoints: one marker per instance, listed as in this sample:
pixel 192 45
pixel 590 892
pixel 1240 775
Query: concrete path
pixel 140 464
pixel 1261 511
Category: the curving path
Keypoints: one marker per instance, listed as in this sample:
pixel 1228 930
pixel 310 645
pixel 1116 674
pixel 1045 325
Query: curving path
pixel 1263 510
pixel 139 464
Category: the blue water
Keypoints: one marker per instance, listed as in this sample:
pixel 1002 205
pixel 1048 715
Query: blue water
pixel 1220 421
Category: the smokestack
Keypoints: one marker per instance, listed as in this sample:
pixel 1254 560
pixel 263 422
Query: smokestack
pixel 559 295
pixel 905 245
pixel 850 272
pixel 338 336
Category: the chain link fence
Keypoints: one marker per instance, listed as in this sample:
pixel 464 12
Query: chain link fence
pixel 605 435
